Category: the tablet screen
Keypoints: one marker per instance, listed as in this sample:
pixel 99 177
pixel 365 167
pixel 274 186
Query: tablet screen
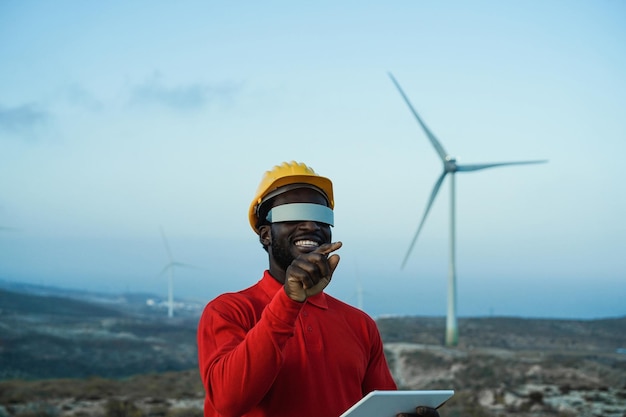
pixel 390 403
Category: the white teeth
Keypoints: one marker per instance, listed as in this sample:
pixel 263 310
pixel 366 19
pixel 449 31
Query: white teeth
pixel 306 243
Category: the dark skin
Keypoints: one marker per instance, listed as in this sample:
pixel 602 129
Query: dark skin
pixel 298 251
pixel 299 257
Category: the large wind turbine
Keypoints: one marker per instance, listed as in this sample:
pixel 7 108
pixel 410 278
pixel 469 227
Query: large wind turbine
pixel 170 268
pixel 451 167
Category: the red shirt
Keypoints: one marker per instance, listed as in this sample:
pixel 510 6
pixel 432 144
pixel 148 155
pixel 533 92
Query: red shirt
pixel 263 354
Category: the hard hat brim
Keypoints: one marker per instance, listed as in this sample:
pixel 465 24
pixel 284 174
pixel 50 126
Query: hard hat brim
pixel 323 183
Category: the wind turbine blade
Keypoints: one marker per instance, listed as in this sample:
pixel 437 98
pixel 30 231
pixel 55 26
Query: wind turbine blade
pixel 442 153
pixel 172 265
pixel 167 246
pixel 476 167
pixel 166 268
pixel 184 265
pixel 433 194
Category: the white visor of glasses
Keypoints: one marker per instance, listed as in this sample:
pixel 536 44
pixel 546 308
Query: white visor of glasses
pixel 301 212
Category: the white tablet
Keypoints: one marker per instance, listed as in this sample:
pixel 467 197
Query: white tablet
pixel 390 403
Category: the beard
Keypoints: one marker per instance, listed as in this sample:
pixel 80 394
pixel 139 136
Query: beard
pixel 280 252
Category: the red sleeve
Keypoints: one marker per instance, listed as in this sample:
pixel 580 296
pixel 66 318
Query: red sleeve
pixel 239 357
pixel 378 375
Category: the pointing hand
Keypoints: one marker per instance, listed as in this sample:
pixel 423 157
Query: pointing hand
pixel 311 272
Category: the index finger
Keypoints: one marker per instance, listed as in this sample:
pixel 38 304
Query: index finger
pixel 327 248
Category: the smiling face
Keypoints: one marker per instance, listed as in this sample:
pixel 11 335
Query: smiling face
pixel 287 240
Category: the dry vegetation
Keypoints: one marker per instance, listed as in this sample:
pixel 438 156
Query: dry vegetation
pixel 512 366
pixel 168 394
pixel 61 357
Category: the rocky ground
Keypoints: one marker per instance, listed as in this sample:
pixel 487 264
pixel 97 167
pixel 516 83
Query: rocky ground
pixel 488 382
pixel 498 382
pixel 512 366
pixel 62 357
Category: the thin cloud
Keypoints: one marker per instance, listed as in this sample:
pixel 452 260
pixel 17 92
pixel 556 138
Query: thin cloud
pixel 21 118
pixel 80 97
pixel 182 97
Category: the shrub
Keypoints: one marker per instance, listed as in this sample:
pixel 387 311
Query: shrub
pixel 38 410
pixel 185 412
pixel 536 397
pixel 122 408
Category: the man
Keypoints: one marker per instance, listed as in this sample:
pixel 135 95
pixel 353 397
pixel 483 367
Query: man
pixel 283 347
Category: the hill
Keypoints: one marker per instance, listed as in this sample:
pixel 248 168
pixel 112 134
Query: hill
pixel 601 335
pixel 60 337
pixel 512 366
pixel 31 305
pixel 75 357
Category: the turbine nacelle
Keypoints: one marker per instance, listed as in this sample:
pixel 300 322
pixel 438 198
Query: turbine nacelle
pixel 449 164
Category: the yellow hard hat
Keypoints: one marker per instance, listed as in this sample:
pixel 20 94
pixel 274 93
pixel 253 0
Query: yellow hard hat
pixel 287 173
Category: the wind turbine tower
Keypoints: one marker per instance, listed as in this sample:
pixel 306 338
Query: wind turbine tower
pixel 451 167
pixel 170 269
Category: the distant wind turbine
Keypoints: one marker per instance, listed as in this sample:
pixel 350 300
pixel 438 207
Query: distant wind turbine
pixel 451 167
pixel 359 294
pixel 170 268
pixel 359 289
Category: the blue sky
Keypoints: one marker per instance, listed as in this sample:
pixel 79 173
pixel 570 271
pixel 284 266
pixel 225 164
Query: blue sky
pixel 119 118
